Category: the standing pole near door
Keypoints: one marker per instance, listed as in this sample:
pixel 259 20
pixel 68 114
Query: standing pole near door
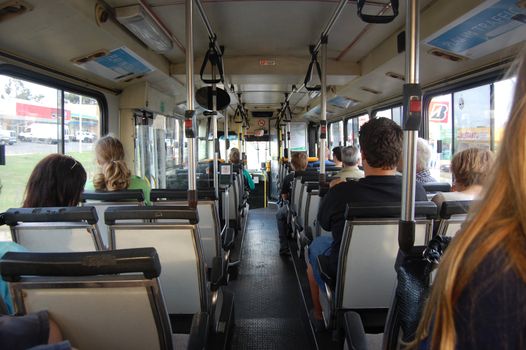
pixel 411 124
pixel 190 118
pixel 323 121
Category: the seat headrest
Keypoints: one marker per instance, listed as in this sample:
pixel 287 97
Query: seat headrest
pixel 449 208
pixel 171 194
pixel 14 265
pixel 113 214
pixel 437 187
pixel 113 196
pixel 311 186
pixel 51 214
pixel 388 210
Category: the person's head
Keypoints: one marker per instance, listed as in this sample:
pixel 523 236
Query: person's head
pixel 495 223
pixel 234 156
pixel 337 154
pixel 114 174
pixel 381 143
pixel 471 167
pixel 56 181
pixel 350 156
pixel 299 161
pixel 423 155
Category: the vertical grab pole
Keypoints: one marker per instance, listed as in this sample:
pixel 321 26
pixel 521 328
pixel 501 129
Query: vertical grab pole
pixel 216 141
pixel 227 139
pixel 411 124
pixel 190 118
pixel 323 121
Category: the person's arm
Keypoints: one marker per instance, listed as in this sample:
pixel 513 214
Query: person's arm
pixel 250 182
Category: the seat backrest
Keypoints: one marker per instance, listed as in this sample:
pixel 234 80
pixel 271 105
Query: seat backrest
pixel 93 306
pixel 434 187
pixel 311 209
pixel 102 200
pixel 366 276
pixel 178 245
pixel 302 204
pixel 452 215
pixel 208 210
pixel 55 229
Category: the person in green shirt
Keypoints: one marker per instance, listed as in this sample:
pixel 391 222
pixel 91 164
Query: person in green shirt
pixel 114 174
pixel 235 158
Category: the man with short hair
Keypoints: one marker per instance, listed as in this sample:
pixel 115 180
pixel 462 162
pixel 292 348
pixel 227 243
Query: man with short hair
pixel 350 160
pixel 381 149
pixel 299 163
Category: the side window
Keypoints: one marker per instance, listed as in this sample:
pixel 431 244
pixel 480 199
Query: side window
pixel 467 118
pixel 353 128
pixel 336 134
pixel 82 129
pixel 33 124
pixel 440 136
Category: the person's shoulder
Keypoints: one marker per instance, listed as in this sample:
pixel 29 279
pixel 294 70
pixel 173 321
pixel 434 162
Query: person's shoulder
pixel 137 181
pixel 6 246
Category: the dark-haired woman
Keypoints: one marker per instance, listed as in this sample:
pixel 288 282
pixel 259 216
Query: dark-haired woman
pixel 56 181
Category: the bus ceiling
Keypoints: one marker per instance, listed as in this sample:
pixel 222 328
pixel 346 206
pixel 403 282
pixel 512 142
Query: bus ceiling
pixel 266 47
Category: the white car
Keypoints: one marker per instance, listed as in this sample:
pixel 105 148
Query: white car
pixel 84 136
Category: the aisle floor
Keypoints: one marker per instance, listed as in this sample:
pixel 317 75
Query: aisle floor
pixel 269 308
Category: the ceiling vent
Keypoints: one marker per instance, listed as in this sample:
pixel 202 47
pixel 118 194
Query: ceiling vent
pixel 447 56
pixel 13 8
pixel 395 76
pixel 261 114
pixel 372 91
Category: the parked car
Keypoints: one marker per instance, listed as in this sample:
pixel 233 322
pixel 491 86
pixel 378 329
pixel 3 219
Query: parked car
pixel 84 136
pixel 7 137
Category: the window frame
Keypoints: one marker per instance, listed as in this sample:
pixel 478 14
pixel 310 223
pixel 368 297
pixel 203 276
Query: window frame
pixel 63 86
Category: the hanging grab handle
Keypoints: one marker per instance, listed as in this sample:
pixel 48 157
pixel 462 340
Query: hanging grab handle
pixel 216 61
pixel 377 18
pixel 313 63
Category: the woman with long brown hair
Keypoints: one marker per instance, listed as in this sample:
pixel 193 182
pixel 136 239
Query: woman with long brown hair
pixel 56 181
pixel 478 300
pixel 114 174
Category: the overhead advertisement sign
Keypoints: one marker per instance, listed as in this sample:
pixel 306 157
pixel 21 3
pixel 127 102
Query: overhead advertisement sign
pixel 473 35
pixel 119 64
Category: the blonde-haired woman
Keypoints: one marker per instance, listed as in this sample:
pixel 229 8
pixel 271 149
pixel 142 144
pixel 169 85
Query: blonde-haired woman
pixel 114 174
pixel 478 300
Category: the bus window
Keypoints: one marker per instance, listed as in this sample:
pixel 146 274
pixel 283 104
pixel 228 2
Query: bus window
pixel 336 134
pixel 384 113
pixel 503 93
pixel 83 116
pixel 440 136
pixel 31 115
pixel 353 128
pixel 257 152
pixel 472 111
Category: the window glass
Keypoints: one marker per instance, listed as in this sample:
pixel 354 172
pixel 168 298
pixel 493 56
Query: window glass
pixel 440 136
pixel 82 130
pixel 397 115
pixel 257 152
pixel 503 94
pixel 33 125
pixel 353 128
pixel 472 113
pixel 384 113
pixel 336 134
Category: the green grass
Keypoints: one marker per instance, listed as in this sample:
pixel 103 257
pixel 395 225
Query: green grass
pixel 15 173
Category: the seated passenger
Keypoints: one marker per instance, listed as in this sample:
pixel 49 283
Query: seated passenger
pixel 56 181
pixel 235 158
pixel 337 156
pixel 298 163
pixel 350 160
pixel 316 163
pixel 478 299
pixel 470 168
pixel 28 331
pixel 423 156
pixel 114 174
pixel 381 149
